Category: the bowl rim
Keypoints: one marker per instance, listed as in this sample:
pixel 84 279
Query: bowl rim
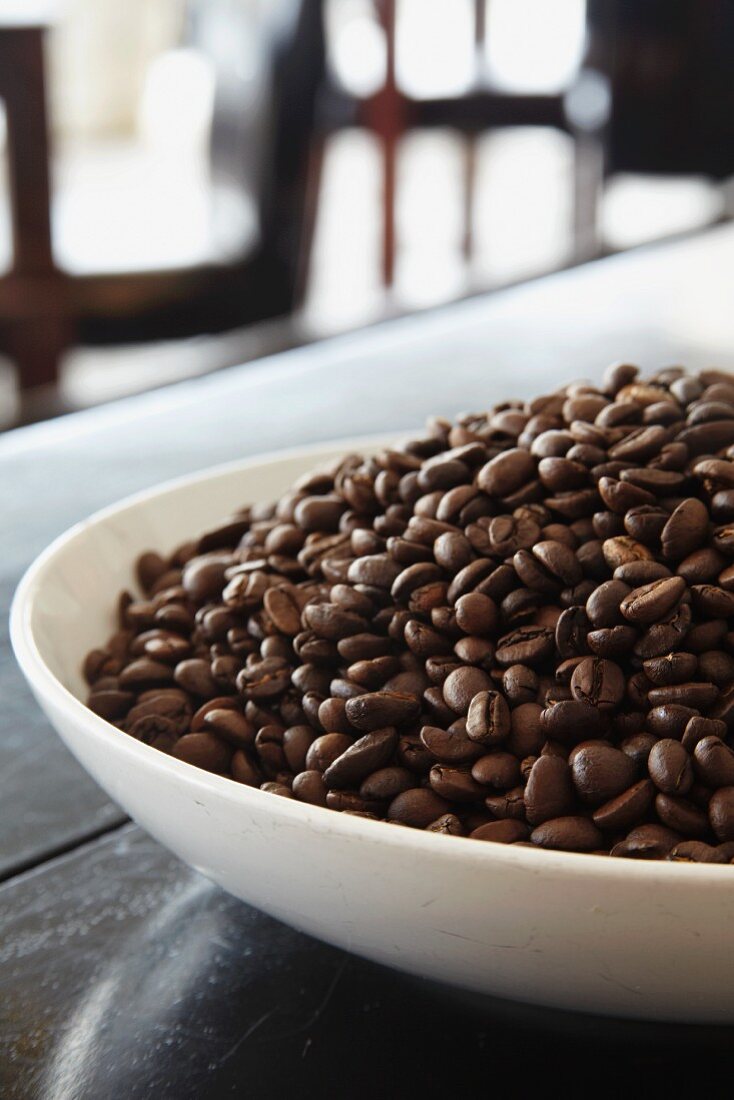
pixel 317 819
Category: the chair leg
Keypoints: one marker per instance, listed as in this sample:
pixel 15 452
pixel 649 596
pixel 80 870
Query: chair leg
pixel 36 347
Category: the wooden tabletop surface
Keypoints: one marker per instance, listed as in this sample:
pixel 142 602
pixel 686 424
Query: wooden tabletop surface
pixel 124 974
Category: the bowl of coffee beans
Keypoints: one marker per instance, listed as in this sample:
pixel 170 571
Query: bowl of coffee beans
pixel 462 703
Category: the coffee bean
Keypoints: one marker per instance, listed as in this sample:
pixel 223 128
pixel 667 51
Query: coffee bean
pixel 417 807
pixel 598 682
pixel 670 767
pixel 309 786
pixel 476 614
pixel 366 755
pixel 549 791
pixel 647 842
pixel 721 813
pixel 452 745
pixel 622 811
pixel 204 750
pixel 501 832
pixel 681 815
pixel 506 473
pixel 461 686
pixel 571 721
pixel 696 695
pixel 714 762
pixel 325 750
pixel 488 718
pixel 685 531
pixel 654 601
pixel 499 770
pixel 673 668
pixel 601 772
pixel 385 784
pixel 376 710
pixel 568 834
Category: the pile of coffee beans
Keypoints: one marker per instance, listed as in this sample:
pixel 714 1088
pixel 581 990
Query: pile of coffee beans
pixel 518 627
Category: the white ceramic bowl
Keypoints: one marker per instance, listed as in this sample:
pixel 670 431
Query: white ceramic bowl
pixel 580 932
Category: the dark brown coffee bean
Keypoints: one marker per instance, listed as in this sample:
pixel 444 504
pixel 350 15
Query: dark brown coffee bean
pixel 598 682
pixel 647 842
pixel 366 755
pixel 451 746
pixel 476 614
pixel 669 720
pixel 698 728
pixel 527 645
pixel 499 770
pixel 309 786
pixel 376 710
pixel 506 473
pixel 204 750
pixel 685 531
pixel 568 834
pixel 243 770
pixel 501 832
pixel 508 804
pixel 681 815
pixel 571 721
pixel 712 601
pixel 601 772
pixel 571 632
pixel 670 767
pixel 488 718
pixel 549 792
pixel 385 784
pixel 203 577
pixel 721 813
pixel 695 851
pixel 195 677
pixel 283 607
pixel 626 808
pixel 417 807
pixel 612 642
pixel 673 668
pixel 519 684
pixel 636 573
pixel 652 602
pixel 461 686
pixel 698 696
pixel 714 762
pixel 325 750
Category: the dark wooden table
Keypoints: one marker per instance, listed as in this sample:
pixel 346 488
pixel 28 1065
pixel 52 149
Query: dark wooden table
pixel 124 974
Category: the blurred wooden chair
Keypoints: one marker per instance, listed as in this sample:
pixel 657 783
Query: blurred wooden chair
pixel 391 112
pixel 45 309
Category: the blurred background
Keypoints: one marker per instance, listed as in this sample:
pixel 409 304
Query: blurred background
pixel 190 184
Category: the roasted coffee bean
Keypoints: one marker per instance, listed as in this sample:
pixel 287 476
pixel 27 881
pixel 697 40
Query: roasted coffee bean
pixel 527 645
pixel 652 602
pixel 368 754
pixel 600 772
pixel 417 807
pixel 696 851
pixel 673 668
pixel 379 709
pixel 626 808
pixel 721 813
pixel 500 770
pixel 308 786
pixel 571 721
pixel 669 720
pixel 670 767
pixel 501 832
pixel 519 684
pixel 647 842
pixel 685 531
pixel 460 688
pixel 603 606
pixel 698 728
pixel 325 750
pixel 696 695
pixel 681 815
pixel 385 784
pixel 598 682
pixel 204 750
pixel 549 791
pixel 568 834
pixel 452 745
pixel 488 718
pixel 506 473
pixel 713 761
